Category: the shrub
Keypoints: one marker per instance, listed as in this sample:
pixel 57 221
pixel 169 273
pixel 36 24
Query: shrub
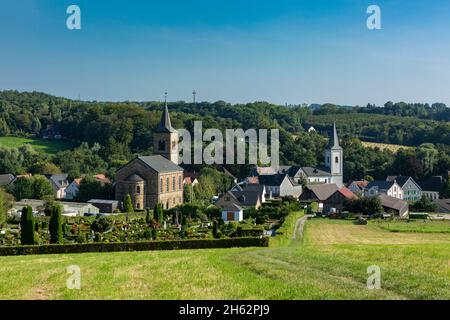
pixel 128 204
pixel 101 224
pixel 136 246
pixel 361 221
pixel 148 215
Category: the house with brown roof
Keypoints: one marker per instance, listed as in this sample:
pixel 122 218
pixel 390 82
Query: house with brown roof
pixel 337 200
pixel 391 204
pixel 319 193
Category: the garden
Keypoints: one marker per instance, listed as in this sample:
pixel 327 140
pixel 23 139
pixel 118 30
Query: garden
pixel 185 222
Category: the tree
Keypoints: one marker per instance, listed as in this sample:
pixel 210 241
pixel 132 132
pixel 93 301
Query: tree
pixel 365 205
pixel 56 234
pixel 128 204
pixel 148 215
pixel 425 204
pixel 36 187
pixel 42 188
pixel 27 227
pixel 6 202
pixel 90 188
pixel 158 212
pixel 215 228
pixel 445 193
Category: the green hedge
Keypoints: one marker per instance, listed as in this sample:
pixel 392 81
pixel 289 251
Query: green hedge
pixel 135 246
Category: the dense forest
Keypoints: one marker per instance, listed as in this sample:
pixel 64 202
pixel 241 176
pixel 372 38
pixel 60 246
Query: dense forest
pixel 109 134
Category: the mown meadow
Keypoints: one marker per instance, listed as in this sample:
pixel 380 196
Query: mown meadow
pixel 330 262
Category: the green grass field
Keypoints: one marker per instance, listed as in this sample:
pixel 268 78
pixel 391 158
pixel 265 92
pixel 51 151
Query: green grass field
pixel 46 146
pixel 330 263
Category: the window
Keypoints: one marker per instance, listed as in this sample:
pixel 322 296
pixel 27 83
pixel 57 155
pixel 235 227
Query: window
pixel 173 183
pixel 161 185
pixel 336 159
pixel 138 205
pixel 138 189
pixel 167 184
pixel 162 145
pixel 179 183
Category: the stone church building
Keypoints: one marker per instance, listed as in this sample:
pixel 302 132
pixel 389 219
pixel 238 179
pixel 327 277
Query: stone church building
pixel 154 179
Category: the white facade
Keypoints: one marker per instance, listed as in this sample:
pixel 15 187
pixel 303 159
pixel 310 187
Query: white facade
pixel 237 215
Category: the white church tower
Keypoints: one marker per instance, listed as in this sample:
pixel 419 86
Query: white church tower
pixel 334 159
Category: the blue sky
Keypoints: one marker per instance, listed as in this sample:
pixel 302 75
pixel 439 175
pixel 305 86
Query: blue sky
pixel 285 51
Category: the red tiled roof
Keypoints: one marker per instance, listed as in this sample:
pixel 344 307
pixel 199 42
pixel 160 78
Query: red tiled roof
pixel 253 180
pixel 347 193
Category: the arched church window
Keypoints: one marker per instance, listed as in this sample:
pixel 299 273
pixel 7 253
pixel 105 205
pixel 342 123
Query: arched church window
pixel 161 185
pixel 138 189
pixel 162 145
pixel 167 184
pixel 336 159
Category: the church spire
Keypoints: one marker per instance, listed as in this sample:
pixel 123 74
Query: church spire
pixel 333 143
pixel 165 125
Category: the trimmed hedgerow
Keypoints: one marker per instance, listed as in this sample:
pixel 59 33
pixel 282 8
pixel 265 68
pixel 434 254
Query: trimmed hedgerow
pixel 135 246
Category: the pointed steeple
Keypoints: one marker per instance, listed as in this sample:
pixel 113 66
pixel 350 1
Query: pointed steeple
pixel 333 142
pixel 165 125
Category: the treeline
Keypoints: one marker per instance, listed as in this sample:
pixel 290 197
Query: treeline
pixel 110 134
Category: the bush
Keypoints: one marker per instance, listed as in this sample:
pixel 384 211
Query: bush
pixel 56 234
pixel 128 204
pixel 101 224
pixel 135 246
pixel 361 221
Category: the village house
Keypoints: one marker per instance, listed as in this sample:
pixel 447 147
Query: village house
pixel 245 196
pixel 443 205
pixel 154 179
pixel 59 183
pixel 337 200
pixel 319 193
pixel 280 185
pixel 412 192
pixel 357 187
pixel 396 206
pixel 379 187
pixel 432 187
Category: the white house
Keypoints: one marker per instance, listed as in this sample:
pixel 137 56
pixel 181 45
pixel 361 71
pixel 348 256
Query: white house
pixel 379 187
pixel 72 189
pixel 232 212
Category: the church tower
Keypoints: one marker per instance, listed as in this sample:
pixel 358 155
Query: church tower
pixel 334 159
pixel 165 138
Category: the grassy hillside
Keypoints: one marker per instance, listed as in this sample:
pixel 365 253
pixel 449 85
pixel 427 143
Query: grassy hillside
pixel 46 146
pixel 330 264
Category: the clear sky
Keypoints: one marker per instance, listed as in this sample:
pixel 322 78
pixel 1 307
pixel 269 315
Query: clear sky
pixel 284 51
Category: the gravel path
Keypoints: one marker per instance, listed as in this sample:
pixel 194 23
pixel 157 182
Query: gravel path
pixel 298 231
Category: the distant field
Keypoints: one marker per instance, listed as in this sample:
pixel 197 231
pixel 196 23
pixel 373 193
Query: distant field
pixel 46 146
pixel 419 226
pixel 331 263
pixel 384 146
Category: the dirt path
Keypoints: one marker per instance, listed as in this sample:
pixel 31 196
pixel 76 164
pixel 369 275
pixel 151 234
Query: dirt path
pixel 298 231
